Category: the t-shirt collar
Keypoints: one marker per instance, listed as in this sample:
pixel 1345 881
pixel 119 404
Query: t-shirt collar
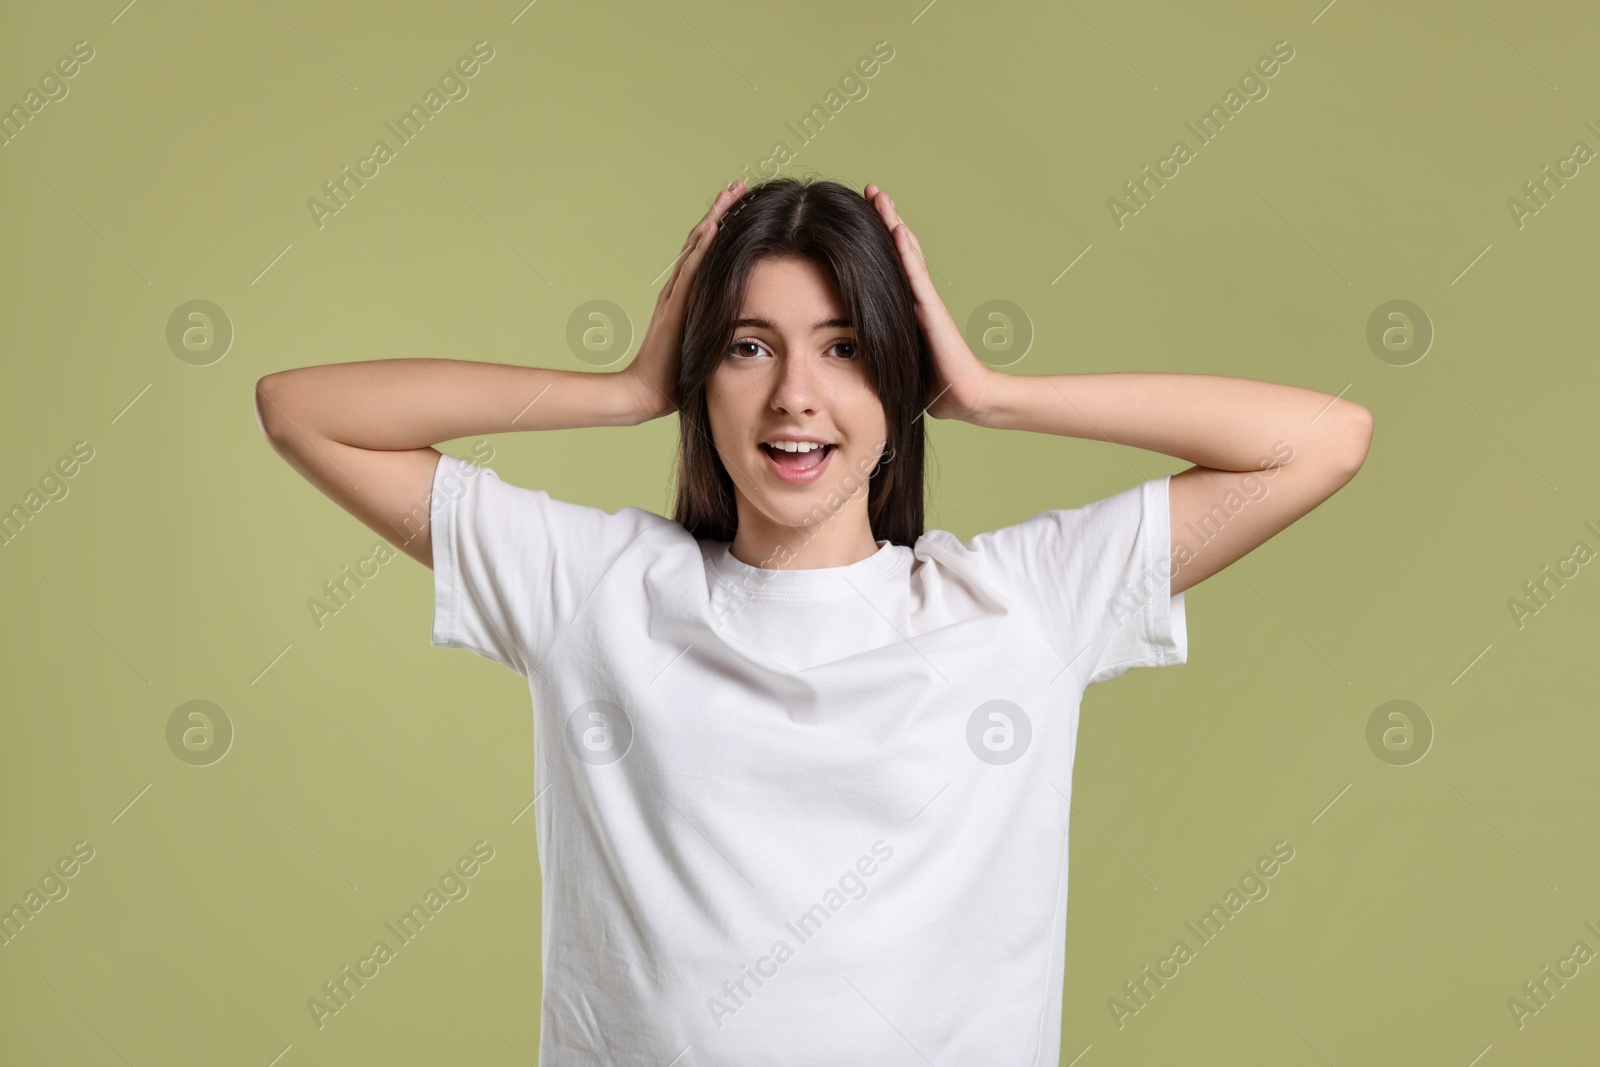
pixel 788 582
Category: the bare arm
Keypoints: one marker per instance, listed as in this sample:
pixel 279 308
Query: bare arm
pixel 1265 454
pixel 363 432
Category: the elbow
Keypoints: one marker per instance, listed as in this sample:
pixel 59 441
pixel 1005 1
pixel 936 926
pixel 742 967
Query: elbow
pixel 269 411
pixel 1357 439
pixel 1362 435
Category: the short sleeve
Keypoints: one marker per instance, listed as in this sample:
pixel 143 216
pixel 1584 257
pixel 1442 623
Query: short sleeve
pixel 513 567
pixel 1097 580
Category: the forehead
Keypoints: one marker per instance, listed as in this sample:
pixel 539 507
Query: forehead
pixel 791 293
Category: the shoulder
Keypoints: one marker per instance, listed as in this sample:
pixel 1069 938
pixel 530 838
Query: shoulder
pixel 459 478
pixel 1080 524
pixel 476 499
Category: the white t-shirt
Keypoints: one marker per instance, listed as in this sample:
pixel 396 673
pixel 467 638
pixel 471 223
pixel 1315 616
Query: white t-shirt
pixel 801 816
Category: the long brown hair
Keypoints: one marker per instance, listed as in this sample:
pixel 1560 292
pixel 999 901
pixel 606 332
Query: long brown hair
pixel 836 228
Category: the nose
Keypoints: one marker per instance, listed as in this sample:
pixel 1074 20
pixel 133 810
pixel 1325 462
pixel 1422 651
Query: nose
pixel 795 390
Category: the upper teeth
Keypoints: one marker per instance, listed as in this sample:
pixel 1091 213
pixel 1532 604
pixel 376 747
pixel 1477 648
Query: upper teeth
pixel 796 446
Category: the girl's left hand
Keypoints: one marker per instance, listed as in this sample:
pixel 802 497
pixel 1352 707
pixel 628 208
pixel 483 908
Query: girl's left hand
pixel 963 379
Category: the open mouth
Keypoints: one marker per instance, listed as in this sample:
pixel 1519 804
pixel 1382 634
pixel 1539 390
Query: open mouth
pixel 797 463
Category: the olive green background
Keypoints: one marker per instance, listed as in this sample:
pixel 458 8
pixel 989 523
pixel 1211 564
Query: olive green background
pixel 364 762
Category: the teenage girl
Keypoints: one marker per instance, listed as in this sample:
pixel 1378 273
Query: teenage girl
pixel 802 768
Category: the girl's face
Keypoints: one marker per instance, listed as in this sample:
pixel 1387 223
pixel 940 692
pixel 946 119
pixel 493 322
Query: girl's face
pixel 793 373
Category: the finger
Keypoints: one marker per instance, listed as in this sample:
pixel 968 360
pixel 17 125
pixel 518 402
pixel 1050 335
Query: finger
pixel 709 221
pixel 885 206
pixel 699 241
pixel 677 265
pixel 697 232
pixel 891 217
pixel 916 265
pixel 719 206
pixel 915 244
pixel 906 244
pixel 684 273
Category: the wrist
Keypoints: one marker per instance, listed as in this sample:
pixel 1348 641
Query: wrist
pixel 988 404
pixel 637 400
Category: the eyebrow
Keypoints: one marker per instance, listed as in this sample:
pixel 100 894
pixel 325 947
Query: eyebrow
pixel 820 324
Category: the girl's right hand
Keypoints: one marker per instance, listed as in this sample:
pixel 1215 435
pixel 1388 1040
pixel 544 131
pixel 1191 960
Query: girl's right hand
pixel 653 373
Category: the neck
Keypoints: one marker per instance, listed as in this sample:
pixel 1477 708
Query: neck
pixel 838 541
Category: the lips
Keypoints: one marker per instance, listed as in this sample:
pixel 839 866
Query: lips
pixel 798 460
pixel 797 468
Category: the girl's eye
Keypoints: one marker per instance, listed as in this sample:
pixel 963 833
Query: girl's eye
pixel 742 349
